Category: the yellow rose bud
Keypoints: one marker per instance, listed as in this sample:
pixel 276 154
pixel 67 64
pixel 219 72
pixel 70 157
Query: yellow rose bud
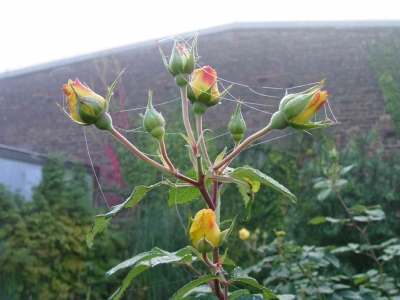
pixel 205 226
pixel 297 110
pixel 244 234
pixel 85 105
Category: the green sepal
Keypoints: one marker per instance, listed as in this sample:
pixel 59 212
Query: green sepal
pixel 94 105
pixel 176 64
pixel 111 90
pixel 69 116
pixel 313 89
pixel 225 234
pixel 205 96
pixel 297 106
pixel 205 246
pixel 191 62
pixel 164 58
pixel 220 97
pixel 191 95
pixel 310 125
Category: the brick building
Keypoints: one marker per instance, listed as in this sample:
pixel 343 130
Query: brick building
pixel 255 54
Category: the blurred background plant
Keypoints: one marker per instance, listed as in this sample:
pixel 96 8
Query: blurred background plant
pixel 322 254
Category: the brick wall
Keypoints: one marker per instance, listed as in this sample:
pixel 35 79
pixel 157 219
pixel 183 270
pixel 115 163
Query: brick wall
pixel 256 57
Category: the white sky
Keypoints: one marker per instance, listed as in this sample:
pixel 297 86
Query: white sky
pixel 38 31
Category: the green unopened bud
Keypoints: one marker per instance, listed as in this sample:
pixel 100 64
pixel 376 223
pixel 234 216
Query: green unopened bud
pixel 237 126
pixel 153 121
pixel 181 63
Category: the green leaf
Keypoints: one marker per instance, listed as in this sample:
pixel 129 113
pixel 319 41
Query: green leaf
pixel 127 281
pixel 201 289
pixel 250 297
pixel 238 293
pixel 180 294
pixel 144 261
pixel 322 184
pixel 182 195
pixel 286 297
pixel 323 194
pixel 239 275
pixel 250 173
pixel 100 222
pixel 317 220
pixel 332 259
pixel 361 218
pixel 346 169
pixel 350 295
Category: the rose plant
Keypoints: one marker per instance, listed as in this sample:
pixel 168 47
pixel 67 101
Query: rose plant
pixel 207 180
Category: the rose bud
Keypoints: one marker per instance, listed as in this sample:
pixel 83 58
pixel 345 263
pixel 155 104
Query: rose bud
pixel 181 63
pixel 296 110
pixel 204 232
pixel 237 126
pixel 244 234
pixel 153 121
pixel 84 104
pixel 203 90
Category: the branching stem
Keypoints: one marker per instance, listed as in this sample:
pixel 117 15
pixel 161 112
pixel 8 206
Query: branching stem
pixel 147 159
pixel 242 146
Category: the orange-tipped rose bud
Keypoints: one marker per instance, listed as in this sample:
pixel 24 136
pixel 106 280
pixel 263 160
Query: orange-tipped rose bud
pixel 85 105
pixel 296 110
pixel 204 231
pixel 244 234
pixel 203 89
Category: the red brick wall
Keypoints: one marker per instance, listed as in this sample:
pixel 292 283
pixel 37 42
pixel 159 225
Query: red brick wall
pixel 257 57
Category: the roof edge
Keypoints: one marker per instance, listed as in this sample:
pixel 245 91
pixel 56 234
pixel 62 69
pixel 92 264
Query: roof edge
pixel 206 31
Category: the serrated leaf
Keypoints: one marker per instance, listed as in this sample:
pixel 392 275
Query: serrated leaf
pixel 239 275
pixel 256 175
pixel 182 195
pixel 204 289
pixel 317 220
pixel 100 222
pixel 127 281
pixel 143 262
pixel 180 294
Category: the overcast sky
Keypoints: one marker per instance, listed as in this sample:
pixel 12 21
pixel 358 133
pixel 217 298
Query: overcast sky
pixel 34 32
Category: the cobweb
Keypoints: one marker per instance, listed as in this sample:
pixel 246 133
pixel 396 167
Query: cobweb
pixel 268 101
